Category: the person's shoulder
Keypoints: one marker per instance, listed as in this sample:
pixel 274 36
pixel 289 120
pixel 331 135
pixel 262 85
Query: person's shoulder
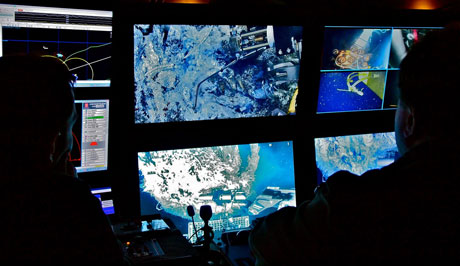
pixel 342 178
pixel 374 174
pixel 348 185
pixel 340 186
pixel 71 188
pixel 348 179
pixel 392 174
pixel 69 182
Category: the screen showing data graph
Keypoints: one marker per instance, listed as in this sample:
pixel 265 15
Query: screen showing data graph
pixel 81 39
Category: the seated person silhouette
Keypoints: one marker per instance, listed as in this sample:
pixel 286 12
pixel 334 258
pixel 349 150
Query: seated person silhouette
pixel 49 216
pixel 406 213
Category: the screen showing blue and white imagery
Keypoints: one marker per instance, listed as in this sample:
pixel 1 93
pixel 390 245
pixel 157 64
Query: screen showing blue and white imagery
pixel 207 72
pixel 360 67
pixel 239 182
pixel 354 153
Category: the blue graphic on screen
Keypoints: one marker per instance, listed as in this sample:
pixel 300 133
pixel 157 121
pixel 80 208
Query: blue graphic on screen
pixel 359 66
pixel 239 182
pixel 347 91
pixel 206 72
pixel 105 197
pixel 354 153
pixel 356 49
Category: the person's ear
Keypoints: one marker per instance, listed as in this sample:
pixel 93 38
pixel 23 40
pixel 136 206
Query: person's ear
pixel 53 146
pixel 410 123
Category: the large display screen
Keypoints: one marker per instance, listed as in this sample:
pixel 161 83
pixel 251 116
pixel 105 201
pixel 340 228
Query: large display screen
pixel 354 153
pixel 207 72
pixel 360 67
pixel 239 182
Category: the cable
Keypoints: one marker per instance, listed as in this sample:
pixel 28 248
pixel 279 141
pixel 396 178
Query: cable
pixel 194 227
pixel 95 46
pixel 196 232
pixel 78 58
pixel 222 69
pixel 62 61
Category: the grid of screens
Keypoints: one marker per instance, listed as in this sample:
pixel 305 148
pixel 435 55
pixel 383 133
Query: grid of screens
pixel 360 67
pixel 354 153
pixel 81 38
pixel 207 72
pixel 90 136
pixel 239 182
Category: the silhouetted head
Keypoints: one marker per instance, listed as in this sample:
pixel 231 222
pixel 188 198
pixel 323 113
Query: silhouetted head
pixel 37 111
pixel 429 90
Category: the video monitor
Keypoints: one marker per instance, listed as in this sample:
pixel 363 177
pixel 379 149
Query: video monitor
pixel 360 67
pixel 354 153
pixel 104 194
pixel 90 136
pixel 208 72
pixel 239 182
pixel 80 38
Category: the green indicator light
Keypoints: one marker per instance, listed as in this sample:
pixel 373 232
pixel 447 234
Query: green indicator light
pixel 95 117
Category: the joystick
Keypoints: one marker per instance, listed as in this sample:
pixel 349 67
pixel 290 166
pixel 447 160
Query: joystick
pixel 206 214
pixel 191 213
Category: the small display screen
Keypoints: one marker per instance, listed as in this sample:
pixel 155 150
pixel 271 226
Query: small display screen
pixel 90 136
pixel 354 153
pixel 207 72
pixel 105 196
pixel 360 67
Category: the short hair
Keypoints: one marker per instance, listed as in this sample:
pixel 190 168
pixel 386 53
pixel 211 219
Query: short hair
pixel 37 99
pixel 429 82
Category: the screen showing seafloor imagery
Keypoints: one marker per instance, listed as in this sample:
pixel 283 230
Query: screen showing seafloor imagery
pixel 354 153
pixel 207 72
pixel 239 182
pixel 360 67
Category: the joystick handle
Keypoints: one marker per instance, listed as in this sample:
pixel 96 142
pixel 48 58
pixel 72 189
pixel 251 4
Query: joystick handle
pixel 205 213
pixel 190 211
